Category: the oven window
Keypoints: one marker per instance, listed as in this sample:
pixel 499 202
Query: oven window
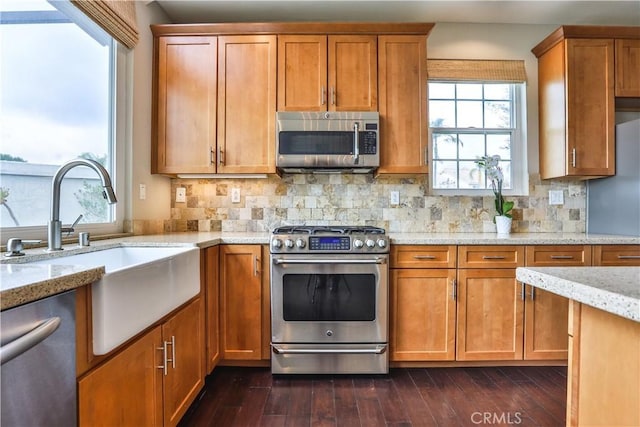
pixel 316 142
pixel 329 297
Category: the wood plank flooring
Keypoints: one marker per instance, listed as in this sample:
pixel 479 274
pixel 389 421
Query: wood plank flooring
pixel 524 396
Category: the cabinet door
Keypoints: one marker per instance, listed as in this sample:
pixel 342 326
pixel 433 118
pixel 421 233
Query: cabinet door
pixel 241 300
pixel 402 87
pixel 590 107
pixel 211 257
pixel 302 73
pixel 246 104
pixel 127 389
pixel 628 68
pixel 353 73
pixel 185 105
pixel 423 314
pixel 490 315
pixel 545 328
pixel 183 335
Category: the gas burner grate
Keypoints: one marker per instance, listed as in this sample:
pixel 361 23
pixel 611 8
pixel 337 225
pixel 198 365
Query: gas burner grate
pixel 319 229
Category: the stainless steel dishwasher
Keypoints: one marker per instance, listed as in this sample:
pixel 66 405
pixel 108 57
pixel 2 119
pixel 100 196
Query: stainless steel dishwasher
pixel 38 363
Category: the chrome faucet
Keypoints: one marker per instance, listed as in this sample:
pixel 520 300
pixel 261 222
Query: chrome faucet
pixel 55 226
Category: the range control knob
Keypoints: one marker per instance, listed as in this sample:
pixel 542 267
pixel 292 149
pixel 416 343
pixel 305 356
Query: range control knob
pixel 370 243
pixel 288 243
pixel 301 243
pixel 358 243
pixel 276 243
pixel 382 243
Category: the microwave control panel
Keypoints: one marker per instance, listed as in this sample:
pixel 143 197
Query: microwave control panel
pixel 368 142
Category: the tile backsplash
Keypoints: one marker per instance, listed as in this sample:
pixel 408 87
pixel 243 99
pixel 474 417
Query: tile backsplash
pixel 361 199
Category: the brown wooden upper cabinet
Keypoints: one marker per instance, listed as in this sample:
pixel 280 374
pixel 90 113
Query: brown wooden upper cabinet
pixel 327 73
pixel 577 85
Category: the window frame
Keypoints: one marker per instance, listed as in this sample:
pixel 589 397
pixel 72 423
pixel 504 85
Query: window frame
pixel 119 135
pixel 519 167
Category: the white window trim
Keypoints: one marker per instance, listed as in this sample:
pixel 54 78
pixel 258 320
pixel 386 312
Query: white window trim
pixel 519 165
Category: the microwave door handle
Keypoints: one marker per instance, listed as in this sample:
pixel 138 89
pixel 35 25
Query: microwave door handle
pixel 356 143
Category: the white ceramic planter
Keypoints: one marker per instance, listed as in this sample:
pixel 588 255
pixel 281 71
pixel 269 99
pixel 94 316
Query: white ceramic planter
pixel 503 225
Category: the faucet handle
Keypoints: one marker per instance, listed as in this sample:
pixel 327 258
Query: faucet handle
pixel 71 229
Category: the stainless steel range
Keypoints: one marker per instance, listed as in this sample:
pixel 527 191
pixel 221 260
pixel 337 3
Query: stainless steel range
pixel 329 300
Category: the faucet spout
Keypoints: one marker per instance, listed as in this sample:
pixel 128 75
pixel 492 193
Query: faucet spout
pixel 55 226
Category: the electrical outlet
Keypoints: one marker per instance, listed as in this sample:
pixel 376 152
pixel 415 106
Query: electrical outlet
pixel 235 195
pixel 556 197
pixel 395 198
pixel 143 192
pixel 181 195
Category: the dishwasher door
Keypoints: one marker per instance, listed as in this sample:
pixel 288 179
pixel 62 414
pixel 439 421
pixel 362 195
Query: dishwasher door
pixel 38 357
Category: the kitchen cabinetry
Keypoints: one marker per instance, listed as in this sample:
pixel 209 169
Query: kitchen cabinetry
pixel 334 73
pixel 627 68
pixel 214 105
pixel 185 96
pixel 616 255
pixel 402 85
pixel 153 380
pixel 244 300
pixel 546 314
pixel 423 303
pixel 210 273
pixel 490 303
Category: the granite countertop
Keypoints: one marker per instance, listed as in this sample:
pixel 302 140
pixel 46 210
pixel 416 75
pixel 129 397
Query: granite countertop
pixel 612 289
pixel 21 282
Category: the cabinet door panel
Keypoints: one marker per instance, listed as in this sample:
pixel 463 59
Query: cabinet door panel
pixel 186 105
pixel 246 104
pixel 127 389
pixel 545 329
pixel 241 300
pixel 402 91
pixel 490 315
pixel 353 73
pixel 211 259
pixel 423 314
pixel 185 376
pixel 302 73
pixel 628 68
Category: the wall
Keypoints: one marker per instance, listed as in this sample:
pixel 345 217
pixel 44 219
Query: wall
pixel 266 203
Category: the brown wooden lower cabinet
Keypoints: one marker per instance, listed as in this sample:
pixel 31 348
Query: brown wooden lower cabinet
pixel 209 271
pixel 134 389
pixel 423 314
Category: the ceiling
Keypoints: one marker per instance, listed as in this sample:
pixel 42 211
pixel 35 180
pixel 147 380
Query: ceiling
pixel 506 12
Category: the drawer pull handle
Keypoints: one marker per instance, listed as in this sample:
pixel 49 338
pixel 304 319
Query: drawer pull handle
pixel 424 257
pixel 493 257
pixel 628 256
pixel 561 257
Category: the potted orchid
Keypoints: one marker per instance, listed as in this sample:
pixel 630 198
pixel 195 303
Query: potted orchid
pixel 493 171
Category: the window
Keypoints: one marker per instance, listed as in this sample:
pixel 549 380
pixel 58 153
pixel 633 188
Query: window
pixel 61 84
pixel 470 118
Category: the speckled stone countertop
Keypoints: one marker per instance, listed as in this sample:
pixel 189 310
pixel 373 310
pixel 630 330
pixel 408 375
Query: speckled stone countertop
pixel 21 283
pixel 613 289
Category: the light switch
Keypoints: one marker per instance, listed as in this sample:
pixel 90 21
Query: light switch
pixel 395 198
pixel 235 195
pixel 556 197
pixel 181 195
pixel 143 192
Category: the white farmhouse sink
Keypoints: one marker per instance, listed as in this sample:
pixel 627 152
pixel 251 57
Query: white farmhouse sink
pixel 141 285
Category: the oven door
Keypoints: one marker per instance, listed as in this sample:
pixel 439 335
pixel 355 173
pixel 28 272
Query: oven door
pixel 329 298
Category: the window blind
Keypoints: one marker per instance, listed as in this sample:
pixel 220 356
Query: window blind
pixel 117 17
pixel 511 71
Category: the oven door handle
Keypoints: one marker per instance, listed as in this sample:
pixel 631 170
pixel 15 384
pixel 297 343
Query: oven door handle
pixel 379 349
pixel 279 261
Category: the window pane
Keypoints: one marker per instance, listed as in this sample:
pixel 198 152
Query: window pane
pixel 445 174
pixel 469 114
pixel 506 171
pixel 471 176
pixel 445 146
pixel 499 144
pixel 442 90
pixel 497 114
pixel 497 91
pixel 442 114
pixel 471 146
pixel 469 91
pixel 55 106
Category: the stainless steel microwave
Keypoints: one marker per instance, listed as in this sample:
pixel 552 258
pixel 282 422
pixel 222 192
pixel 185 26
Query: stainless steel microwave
pixel 327 142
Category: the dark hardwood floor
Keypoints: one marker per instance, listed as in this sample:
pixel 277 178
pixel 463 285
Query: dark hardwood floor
pixel 524 396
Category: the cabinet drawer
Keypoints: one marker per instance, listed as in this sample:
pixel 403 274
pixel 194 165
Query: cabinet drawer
pixel 423 256
pixel 624 255
pixel 497 256
pixel 569 255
